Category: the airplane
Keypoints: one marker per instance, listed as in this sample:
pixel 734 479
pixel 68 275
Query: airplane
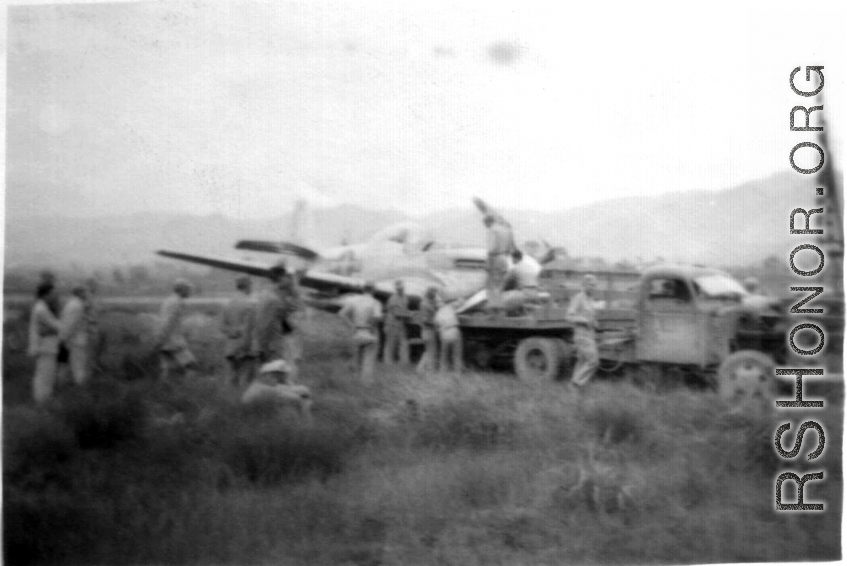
pixel 403 251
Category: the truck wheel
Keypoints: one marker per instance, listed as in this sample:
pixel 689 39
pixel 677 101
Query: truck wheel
pixel 537 359
pixel 747 374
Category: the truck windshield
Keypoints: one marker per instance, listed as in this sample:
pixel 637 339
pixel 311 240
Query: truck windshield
pixel 719 287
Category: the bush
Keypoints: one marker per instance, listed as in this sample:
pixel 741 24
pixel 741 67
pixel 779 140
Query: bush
pixel 280 449
pixel 462 423
pixel 36 448
pixel 103 416
pixel 54 529
pixel 618 416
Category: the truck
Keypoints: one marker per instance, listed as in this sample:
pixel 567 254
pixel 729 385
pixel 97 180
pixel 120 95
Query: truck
pixel 691 320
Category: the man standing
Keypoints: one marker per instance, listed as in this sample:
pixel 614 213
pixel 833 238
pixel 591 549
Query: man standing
pixel 500 244
pixel 74 334
pixel 93 310
pixel 278 313
pixel 44 328
pixel 364 312
pixel 292 328
pixel 449 335
pixel 170 342
pixel 237 327
pixel 581 312
pixel 396 316
pixel 426 314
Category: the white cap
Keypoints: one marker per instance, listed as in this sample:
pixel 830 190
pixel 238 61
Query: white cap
pixel 275 366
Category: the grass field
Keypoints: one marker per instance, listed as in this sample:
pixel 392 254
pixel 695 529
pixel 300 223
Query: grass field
pixel 439 469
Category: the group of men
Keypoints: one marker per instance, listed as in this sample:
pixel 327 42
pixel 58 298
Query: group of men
pixel 63 336
pixel 437 319
pixel 262 333
pixel 257 329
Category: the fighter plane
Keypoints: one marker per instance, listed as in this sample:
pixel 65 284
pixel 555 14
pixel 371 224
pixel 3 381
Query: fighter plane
pixel 404 251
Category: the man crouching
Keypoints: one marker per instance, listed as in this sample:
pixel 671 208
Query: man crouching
pixel 274 386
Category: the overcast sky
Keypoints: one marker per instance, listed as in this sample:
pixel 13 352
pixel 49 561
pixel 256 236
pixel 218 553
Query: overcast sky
pixel 242 107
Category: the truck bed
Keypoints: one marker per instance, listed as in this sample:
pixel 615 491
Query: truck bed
pixel 547 319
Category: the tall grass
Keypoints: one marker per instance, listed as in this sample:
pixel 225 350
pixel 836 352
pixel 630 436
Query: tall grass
pixel 476 469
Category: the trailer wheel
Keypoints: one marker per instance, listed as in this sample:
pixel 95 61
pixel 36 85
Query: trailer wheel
pixel 747 374
pixel 537 359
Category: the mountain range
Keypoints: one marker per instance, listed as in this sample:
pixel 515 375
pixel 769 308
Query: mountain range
pixel 734 226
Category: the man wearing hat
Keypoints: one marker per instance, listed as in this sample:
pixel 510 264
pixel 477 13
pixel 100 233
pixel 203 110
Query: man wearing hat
pixel 170 341
pixel 74 334
pixel 278 315
pixel 364 312
pixel 237 327
pixel 582 313
pixel 273 384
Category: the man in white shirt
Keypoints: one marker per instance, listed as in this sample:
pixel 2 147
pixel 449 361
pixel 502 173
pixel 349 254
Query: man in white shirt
pixel 364 312
pixel 74 334
pixel 521 284
pixel 44 329
pixel 450 336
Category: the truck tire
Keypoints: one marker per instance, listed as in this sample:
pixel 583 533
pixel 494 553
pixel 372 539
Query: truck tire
pixel 747 374
pixel 538 359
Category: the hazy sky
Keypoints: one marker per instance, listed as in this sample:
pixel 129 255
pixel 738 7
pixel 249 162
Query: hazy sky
pixel 242 107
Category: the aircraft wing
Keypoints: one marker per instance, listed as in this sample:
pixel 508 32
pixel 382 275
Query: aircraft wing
pixel 240 266
pixel 329 283
pixel 279 248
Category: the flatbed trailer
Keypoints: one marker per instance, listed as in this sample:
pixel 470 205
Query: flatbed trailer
pixel 539 344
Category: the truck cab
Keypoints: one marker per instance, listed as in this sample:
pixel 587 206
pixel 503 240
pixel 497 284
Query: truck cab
pixel 702 318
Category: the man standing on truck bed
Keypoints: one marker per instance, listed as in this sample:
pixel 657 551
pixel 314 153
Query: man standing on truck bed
pixel 581 312
pixel 500 245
